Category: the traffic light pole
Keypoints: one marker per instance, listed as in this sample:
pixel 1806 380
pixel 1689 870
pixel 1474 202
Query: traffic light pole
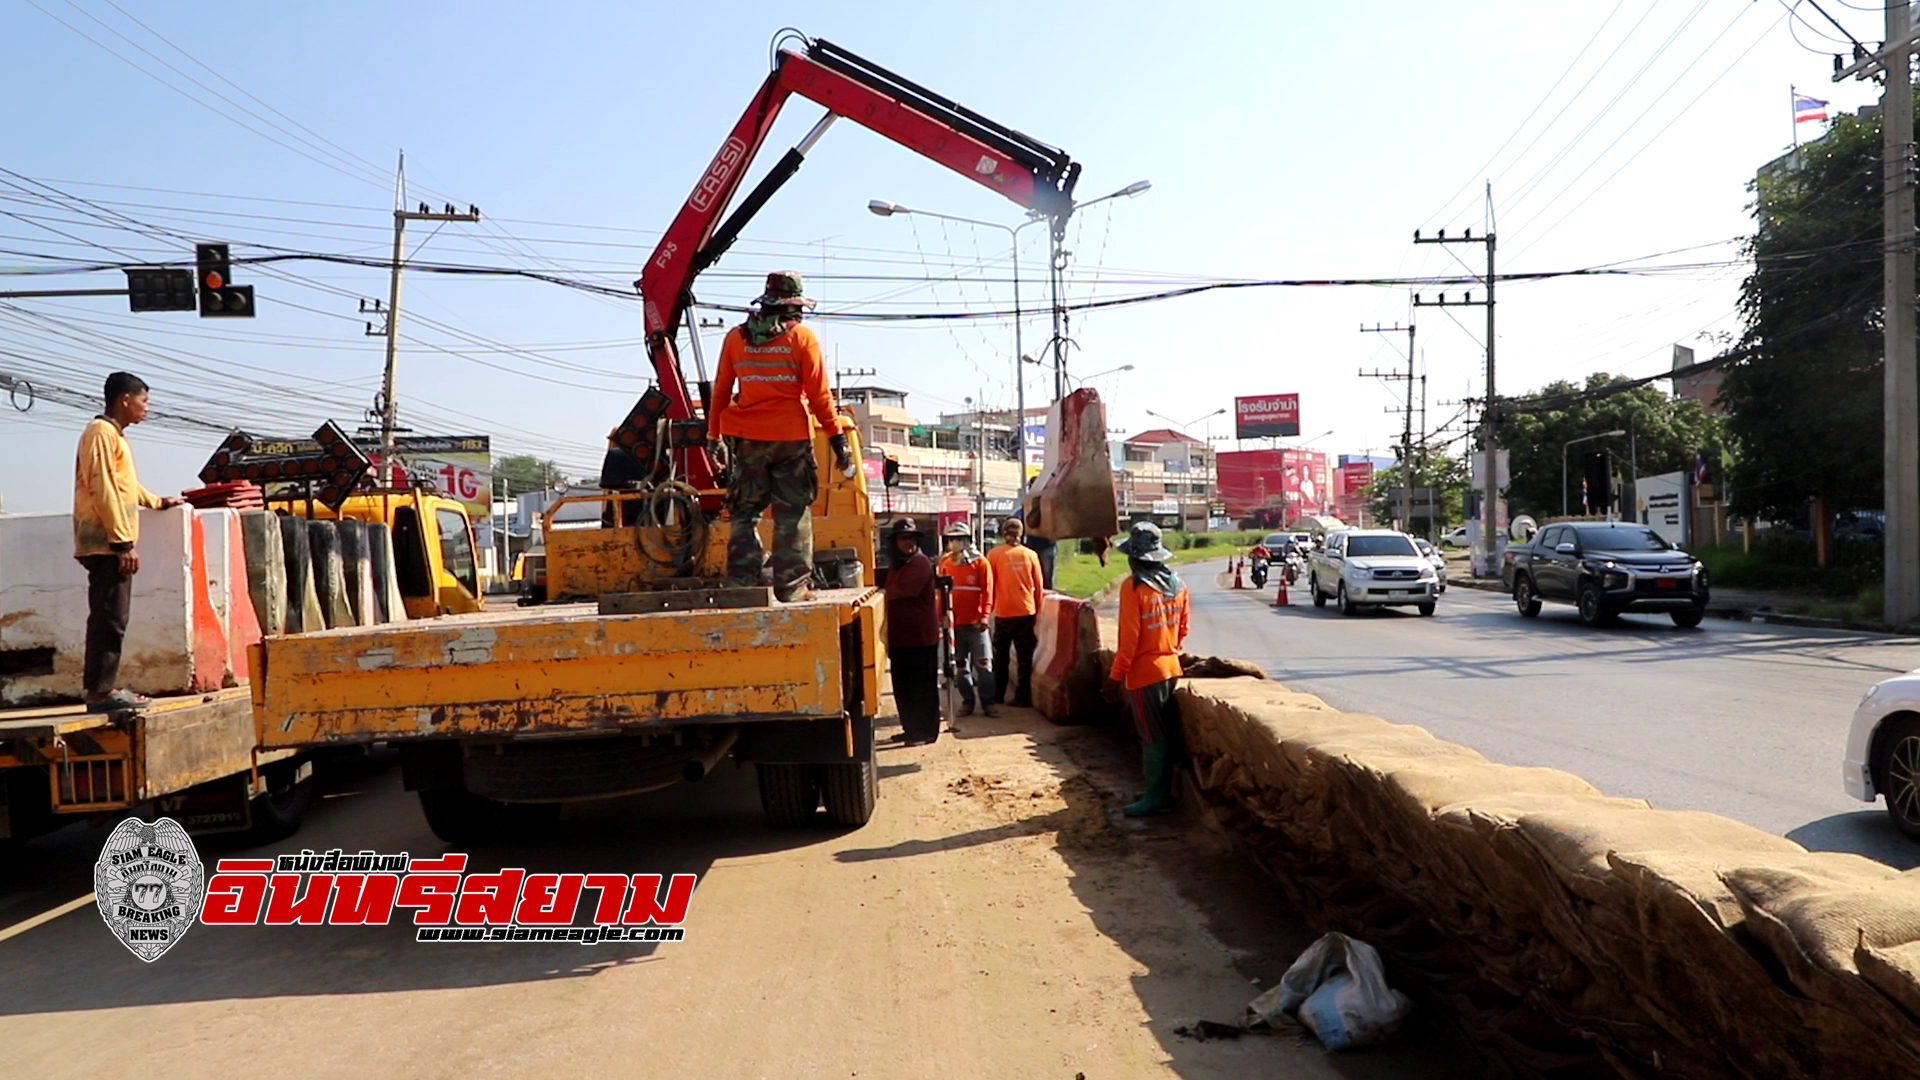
pixel 388 409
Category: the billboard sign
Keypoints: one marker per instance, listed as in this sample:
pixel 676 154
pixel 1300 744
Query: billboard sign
pixel 1266 415
pixel 459 466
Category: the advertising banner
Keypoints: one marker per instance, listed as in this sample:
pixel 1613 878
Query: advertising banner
pixel 1265 415
pixel 460 466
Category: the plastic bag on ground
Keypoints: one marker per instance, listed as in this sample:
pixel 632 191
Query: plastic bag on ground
pixel 1338 989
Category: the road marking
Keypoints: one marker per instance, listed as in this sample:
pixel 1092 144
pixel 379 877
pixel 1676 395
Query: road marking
pixel 25 925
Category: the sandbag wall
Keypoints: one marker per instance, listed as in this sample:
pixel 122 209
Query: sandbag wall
pixel 1576 934
pixel 211 582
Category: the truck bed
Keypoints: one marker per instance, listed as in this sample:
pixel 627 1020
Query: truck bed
pixel 566 669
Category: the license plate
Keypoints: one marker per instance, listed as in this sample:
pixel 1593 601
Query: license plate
pixel 1667 583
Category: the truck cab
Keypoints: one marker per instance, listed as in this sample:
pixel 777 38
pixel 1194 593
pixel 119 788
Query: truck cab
pixel 433 549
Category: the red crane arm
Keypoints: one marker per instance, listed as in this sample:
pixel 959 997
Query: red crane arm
pixel 1030 173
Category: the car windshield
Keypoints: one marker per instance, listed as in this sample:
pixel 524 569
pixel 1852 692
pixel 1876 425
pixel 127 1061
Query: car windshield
pixel 1380 545
pixel 1425 548
pixel 1622 539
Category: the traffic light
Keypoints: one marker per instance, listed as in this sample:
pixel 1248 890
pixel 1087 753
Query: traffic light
pixel 218 297
pixel 159 289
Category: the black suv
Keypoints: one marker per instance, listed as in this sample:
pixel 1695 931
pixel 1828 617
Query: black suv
pixel 1605 568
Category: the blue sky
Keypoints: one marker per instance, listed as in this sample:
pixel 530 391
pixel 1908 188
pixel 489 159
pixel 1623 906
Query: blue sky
pixel 1283 140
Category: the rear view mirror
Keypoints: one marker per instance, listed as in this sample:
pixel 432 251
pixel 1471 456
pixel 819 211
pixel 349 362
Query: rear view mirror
pixel 1565 549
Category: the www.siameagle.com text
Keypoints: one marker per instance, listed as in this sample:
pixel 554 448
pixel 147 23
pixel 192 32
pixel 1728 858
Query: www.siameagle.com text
pixel 585 935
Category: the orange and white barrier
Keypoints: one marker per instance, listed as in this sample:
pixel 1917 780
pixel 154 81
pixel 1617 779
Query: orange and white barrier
pixel 1066 665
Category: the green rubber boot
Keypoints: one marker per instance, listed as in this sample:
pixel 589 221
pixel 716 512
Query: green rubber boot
pixel 1158 798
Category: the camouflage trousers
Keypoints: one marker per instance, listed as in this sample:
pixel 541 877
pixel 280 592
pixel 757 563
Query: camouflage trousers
pixel 780 474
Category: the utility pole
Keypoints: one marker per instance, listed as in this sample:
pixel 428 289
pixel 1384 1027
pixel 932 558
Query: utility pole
pixel 1901 449
pixel 388 409
pixel 840 377
pixel 1407 477
pixel 1490 411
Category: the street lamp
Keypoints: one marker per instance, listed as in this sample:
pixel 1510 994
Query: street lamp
pixel 1568 445
pixel 883 208
pixel 1183 427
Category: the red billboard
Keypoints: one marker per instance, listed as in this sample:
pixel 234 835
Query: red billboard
pixel 1292 483
pixel 1265 415
pixel 1352 479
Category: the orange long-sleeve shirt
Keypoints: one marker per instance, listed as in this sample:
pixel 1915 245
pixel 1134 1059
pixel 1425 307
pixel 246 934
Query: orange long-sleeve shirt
pixel 1016 580
pixel 782 386
pixel 106 492
pixel 1153 627
pixel 972 589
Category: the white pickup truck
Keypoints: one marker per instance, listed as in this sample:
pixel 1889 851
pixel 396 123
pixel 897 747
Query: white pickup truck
pixel 1362 568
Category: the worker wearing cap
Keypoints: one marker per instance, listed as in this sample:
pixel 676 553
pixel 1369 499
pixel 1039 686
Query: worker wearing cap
pixel 107 497
pixel 1016 607
pixel 1153 627
pixel 972 577
pixel 769 395
pixel 913 635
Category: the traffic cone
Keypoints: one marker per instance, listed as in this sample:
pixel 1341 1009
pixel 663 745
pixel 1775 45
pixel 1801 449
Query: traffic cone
pixel 1236 575
pixel 1280 594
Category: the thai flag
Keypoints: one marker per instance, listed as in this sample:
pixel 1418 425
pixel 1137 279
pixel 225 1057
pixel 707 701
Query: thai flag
pixel 1808 108
pixel 1699 468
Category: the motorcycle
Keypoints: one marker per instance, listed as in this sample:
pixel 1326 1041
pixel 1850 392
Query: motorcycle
pixel 1294 565
pixel 1259 572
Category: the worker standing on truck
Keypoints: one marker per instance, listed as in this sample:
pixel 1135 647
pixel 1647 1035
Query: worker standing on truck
pixel 972 577
pixel 913 635
pixel 106 527
pixel 1153 627
pixel 776 363
pixel 1016 607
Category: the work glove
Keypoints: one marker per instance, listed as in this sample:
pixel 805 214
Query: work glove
pixel 842 454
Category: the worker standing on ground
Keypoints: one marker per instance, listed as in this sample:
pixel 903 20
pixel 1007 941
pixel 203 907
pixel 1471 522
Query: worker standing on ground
pixel 1153 627
pixel 972 577
pixel 106 529
pixel 913 635
pixel 1016 606
pixel 776 363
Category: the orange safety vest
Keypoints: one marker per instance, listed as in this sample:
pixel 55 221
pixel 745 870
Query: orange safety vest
pixel 1153 627
pixel 1016 580
pixel 782 388
pixel 972 589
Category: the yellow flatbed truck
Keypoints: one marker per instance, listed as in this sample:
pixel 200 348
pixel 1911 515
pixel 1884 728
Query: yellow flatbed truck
pixel 190 757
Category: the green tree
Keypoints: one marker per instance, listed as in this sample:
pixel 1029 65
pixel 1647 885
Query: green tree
pixel 524 473
pixel 1666 434
pixel 1449 474
pixel 1803 389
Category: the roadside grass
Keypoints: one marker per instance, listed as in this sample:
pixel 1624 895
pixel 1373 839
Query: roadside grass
pixel 1082 575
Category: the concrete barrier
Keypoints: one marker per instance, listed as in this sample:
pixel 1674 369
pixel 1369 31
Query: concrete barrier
pixel 386 579
pixel 230 584
pixel 1066 664
pixel 211 668
pixel 356 566
pixel 43 609
pixel 329 574
pixel 266 563
pixel 303 601
pixel 1565 929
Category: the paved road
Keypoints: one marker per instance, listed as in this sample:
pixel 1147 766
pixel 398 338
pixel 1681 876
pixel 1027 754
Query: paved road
pixel 1736 718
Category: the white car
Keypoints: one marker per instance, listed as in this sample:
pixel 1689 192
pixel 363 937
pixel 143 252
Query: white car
pixel 1455 537
pixel 1362 568
pixel 1883 750
pixel 1433 555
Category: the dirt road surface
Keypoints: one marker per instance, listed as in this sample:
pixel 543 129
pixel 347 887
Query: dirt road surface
pixel 997 918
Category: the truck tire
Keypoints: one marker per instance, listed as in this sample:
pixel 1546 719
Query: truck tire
pixel 458 816
pixel 788 793
pixel 851 791
pixel 278 811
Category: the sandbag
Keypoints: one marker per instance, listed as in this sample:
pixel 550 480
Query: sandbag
pixel 1338 990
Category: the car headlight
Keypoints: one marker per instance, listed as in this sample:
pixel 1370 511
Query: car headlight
pixel 1361 573
pixel 1427 574
pixel 1613 579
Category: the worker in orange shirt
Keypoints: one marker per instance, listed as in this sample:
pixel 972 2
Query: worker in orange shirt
pixel 1016 607
pixel 775 362
pixel 972 577
pixel 1153 627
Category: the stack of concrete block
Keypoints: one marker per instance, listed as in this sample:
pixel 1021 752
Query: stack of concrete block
pixel 180 638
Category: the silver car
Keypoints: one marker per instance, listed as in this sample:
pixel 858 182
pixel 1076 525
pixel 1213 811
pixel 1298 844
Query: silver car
pixel 1438 560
